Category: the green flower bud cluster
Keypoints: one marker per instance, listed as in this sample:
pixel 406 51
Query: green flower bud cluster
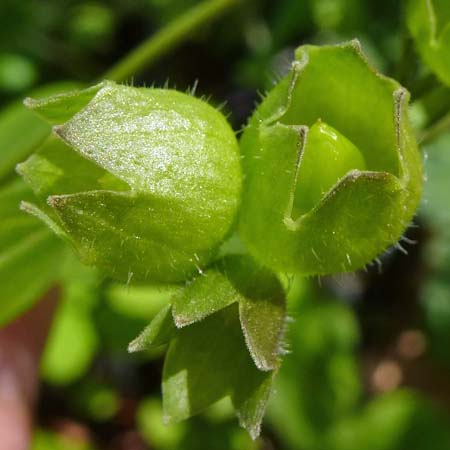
pixel 146 184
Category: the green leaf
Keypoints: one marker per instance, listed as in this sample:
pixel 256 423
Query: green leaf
pixel 159 332
pixel 140 302
pixel 21 131
pixel 396 420
pixel 262 308
pixel 318 383
pixel 435 291
pixel 208 361
pixel 30 255
pixel 345 215
pixel 429 24
pixel 66 359
pixel 203 296
pixel 48 440
pixel 160 179
pixel 149 419
pixel 435 304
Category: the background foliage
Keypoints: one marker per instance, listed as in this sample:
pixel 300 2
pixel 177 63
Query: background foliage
pixel 369 354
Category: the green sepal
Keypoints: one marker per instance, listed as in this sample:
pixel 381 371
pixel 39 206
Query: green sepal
pixel 365 211
pixel 107 230
pixel 225 329
pixel 61 107
pixel 205 362
pixel 160 331
pixel 208 361
pixel 30 256
pixel 260 297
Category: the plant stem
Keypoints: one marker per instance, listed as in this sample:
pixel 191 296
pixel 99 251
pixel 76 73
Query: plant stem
pixel 435 130
pixel 167 38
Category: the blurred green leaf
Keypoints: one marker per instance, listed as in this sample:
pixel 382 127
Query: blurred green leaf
pixel 213 430
pixel 155 433
pixel 96 400
pixel 71 346
pixel 141 302
pixel 394 421
pixel 17 73
pixel 47 440
pixel 435 292
pixel 429 23
pixel 338 15
pixel 318 382
pixel 73 341
pixel 92 24
pixel 21 131
pixel 435 302
pixel 434 205
pixel 30 257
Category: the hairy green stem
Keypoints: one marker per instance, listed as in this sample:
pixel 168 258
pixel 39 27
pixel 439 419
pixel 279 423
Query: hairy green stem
pixel 167 38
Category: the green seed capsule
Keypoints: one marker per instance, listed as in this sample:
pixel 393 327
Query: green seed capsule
pixel 143 183
pixel 333 173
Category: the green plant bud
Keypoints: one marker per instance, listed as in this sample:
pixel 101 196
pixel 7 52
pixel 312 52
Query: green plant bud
pixel 429 24
pixel 333 172
pixel 143 183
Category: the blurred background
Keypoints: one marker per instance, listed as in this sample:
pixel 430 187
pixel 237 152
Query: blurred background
pixel 369 354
